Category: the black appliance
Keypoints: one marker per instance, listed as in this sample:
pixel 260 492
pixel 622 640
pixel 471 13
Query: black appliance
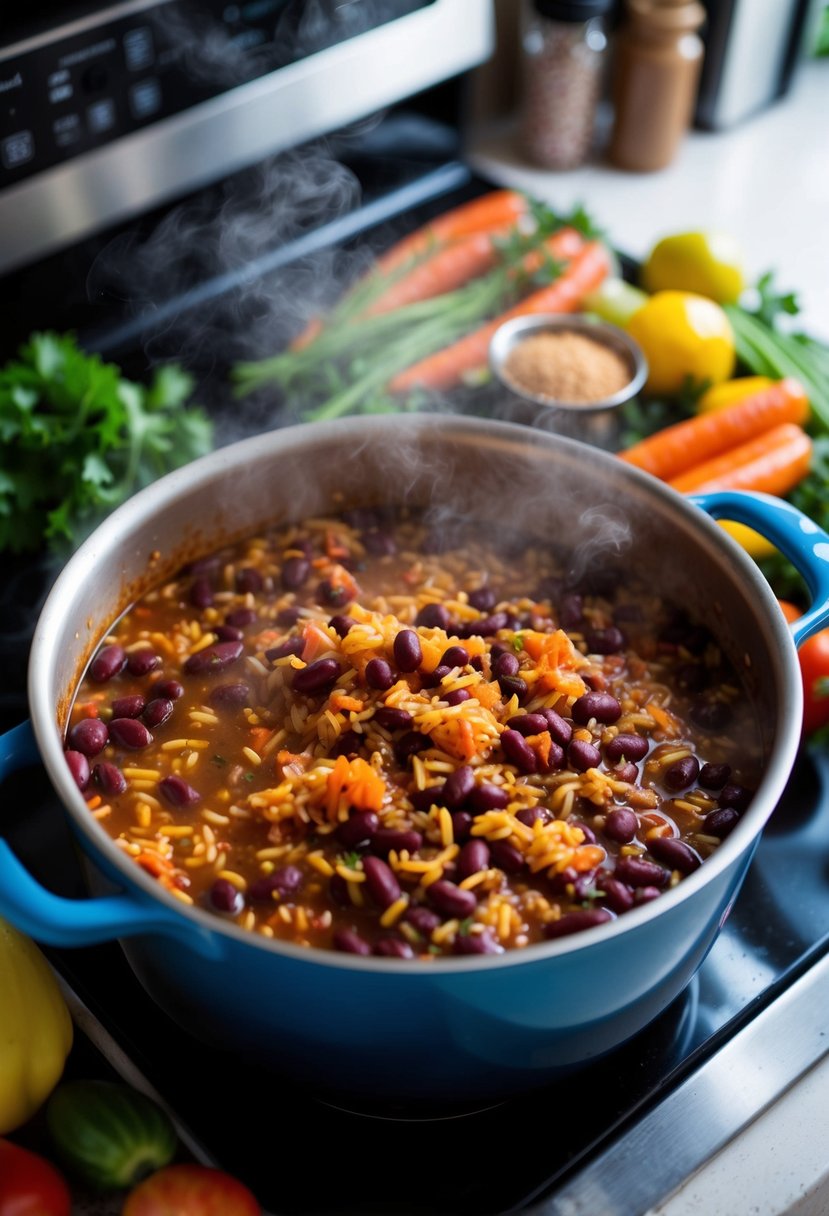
pixel 121 235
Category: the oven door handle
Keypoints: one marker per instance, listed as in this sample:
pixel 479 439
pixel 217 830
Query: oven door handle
pixel 56 921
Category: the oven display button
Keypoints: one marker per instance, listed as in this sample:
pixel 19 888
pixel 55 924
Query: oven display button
pixel 100 116
pixel 17 149
pixel 145 98
pixel 139 53
pixel 66 130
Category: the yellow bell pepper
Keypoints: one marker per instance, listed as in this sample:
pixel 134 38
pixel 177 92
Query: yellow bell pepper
pixel 721 395
pixel 35 1029
pixel 685 337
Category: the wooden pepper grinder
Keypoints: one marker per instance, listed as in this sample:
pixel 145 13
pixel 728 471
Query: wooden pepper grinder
pixel 657 61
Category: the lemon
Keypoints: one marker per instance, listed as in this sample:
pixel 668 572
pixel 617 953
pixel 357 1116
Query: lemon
pixel 685 337
pixel 708 263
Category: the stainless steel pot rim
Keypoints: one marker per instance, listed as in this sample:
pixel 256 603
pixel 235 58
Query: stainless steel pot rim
pixel 156 497
pixel 511 332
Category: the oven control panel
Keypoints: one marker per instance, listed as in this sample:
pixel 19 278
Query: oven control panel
pixel 87 82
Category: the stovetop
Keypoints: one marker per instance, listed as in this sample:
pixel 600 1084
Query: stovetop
pixel 503 1159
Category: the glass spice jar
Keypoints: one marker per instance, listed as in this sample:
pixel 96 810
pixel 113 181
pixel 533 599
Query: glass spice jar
pixel 563 51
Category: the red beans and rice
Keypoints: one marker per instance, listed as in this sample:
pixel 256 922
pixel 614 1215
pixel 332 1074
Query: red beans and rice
pixel 360 734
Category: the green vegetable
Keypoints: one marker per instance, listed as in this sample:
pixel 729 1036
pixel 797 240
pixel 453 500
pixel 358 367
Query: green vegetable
pixel 109 1134
pixel 78 439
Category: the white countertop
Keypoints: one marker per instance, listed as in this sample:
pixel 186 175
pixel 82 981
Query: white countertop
pixel 766 182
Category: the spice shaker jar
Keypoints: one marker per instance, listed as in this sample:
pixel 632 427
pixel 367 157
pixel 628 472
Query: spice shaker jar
pixel 564 43
pixel 656 67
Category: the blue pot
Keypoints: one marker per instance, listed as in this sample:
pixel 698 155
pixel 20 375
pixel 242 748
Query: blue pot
pixel 452 1030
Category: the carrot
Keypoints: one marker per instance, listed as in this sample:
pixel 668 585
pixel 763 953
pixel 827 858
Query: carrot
pixel 687 444
pixel 446 368
pixel 483 214
pixel 773 463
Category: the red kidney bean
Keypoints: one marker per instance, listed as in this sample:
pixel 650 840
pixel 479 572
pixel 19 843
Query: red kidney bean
pixel 629 747
pixel 561 731
pixel 585 828
pixel 338 890
pixel 129 733
pixel 158 711
pixel 178 792
pixel 283 649
pixel 349 942
pixel 721 822
pixel 409 745
pixel 408 654
pixel 530 814
pixel 477 943
pixel 430 795
pixel 505 664
pixel 213 658
pixel 286 881
pixel 78 766
pixel 527 724
pixel 383 840
pixel 142 662
pixel 379 674
pixel 201 593
pixel 329 592
pixel 487 797
pixel 681 774
pixel 576 921
pixel 457 696
pixel 617 896
pixel 513 686
pixel 107 663
pixel 226 898
pixel 474 856
pixel 109 778
pixel 735 795
pixel 675 853
pixel 391 718
pixel 381 881
pixel 295 571
pixel 356 832
pixel 710 716
pixel 347 744
pixel 518 751
pixel 645 895
pixel 227 633
pixel 129 707
pixel 229 694
pixel 342 624
pixel 240 618
pixel 714 776
pixel 455 656
pixel 458 786
pixel 605 641
pixel 433 678
pixel 488 626
pixel 288 616
pixel 393 947
pixel 379 544
pixel 555 759
pixel 433 616
pixel 639 872
pixel 483 599
pixel 171 689
pixel 621 825
pixel 570 611
pixel 582 755
pixel 461 825
pixel 249 581
pixel 316 676
pixel 626 772
pixel 451 900
pixel 423 919
pixel 602 706
pixel 584 888
pixel 506 857
pixel 89 736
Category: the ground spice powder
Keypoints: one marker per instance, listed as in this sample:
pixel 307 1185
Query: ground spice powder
pixel 566 366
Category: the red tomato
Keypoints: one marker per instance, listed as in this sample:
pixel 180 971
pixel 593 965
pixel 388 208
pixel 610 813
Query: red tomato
pixel 190 1190
pixel 814 668
pixel 29 1185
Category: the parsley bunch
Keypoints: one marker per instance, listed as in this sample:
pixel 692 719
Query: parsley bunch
pixel 77 439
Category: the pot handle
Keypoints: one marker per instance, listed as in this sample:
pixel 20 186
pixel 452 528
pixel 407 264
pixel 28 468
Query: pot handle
pixel 794 534
pixel 56 921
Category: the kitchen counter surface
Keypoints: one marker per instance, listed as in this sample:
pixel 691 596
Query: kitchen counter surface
pixel 765 181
